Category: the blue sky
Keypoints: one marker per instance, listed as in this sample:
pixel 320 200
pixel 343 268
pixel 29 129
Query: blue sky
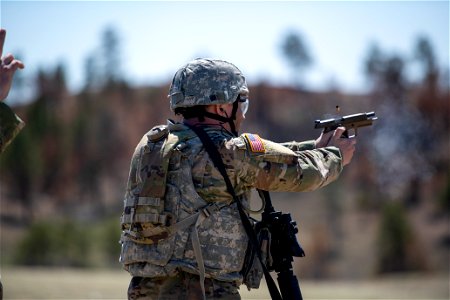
pixel 157 37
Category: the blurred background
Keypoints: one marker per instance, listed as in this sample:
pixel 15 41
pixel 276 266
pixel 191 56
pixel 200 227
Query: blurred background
pixel 96 79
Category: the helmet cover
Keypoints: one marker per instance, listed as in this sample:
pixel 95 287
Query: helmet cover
pixel 206 82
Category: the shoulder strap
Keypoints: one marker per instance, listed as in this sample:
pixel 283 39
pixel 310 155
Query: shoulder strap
pixel 218 163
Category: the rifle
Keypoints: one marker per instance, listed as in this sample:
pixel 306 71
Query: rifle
pixel 284 246
pixel 349 122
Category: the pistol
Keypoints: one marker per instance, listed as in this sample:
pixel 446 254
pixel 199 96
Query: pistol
pixel 350 122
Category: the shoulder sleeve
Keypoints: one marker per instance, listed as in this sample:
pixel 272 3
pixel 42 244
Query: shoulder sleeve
pixel 10 125
pixel 272 166
pixel 300 146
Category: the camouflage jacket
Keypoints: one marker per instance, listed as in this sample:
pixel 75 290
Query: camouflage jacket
pixel 10 125
pixel 179 181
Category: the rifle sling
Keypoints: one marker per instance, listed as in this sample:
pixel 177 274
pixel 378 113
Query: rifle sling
pixel 218 163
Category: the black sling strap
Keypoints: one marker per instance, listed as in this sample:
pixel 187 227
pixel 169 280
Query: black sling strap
pixel 218 163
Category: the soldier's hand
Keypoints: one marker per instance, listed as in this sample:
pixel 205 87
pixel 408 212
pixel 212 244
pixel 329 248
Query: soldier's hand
pixel 345 145
pixel 324 139
pixel 8 67
pixel 334 138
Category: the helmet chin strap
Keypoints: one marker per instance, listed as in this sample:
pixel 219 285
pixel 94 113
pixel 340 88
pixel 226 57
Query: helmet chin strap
pixel 229 120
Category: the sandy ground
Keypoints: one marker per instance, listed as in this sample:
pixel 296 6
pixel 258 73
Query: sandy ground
pixel 27 283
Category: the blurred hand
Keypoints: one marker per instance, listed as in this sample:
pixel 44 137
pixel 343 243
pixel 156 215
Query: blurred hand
pixel 334 138
pixel 8 67
pixel 324 139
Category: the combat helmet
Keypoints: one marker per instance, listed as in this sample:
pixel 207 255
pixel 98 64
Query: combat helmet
pixel 206 81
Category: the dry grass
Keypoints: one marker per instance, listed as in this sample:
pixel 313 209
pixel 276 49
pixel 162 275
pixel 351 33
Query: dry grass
pixel 25 283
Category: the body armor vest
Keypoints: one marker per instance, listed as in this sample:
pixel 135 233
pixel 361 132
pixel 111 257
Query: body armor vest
pixel 166 225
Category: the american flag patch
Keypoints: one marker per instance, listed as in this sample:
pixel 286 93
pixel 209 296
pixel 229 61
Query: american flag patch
pixel 256 144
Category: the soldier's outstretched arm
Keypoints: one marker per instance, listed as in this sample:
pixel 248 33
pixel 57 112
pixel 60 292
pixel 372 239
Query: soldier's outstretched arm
pixel 331 138
pixel 271 166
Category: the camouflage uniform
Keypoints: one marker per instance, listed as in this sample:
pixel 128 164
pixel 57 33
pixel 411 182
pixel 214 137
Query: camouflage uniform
pixel 10 125
pixel 182 286
pixel 180 224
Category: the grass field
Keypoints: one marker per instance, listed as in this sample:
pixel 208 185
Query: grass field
pixel 25 283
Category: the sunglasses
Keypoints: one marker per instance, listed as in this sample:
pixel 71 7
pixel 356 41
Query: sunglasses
pixel 244 105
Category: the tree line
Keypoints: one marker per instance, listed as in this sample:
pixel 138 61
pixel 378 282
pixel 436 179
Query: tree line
pixel 72 159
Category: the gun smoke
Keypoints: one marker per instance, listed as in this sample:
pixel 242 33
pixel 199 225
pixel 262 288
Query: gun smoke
pixel 400 149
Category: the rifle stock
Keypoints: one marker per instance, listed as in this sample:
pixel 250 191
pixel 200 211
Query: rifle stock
pixel 284 246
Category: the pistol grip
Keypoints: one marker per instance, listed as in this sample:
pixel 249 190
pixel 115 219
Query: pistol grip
pixel 347 135
pixel 328 129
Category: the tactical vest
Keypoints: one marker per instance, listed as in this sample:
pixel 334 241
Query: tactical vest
pixel 166 224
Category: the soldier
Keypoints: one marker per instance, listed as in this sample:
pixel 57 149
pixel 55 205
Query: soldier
pixel 182 235
pixel 10 123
